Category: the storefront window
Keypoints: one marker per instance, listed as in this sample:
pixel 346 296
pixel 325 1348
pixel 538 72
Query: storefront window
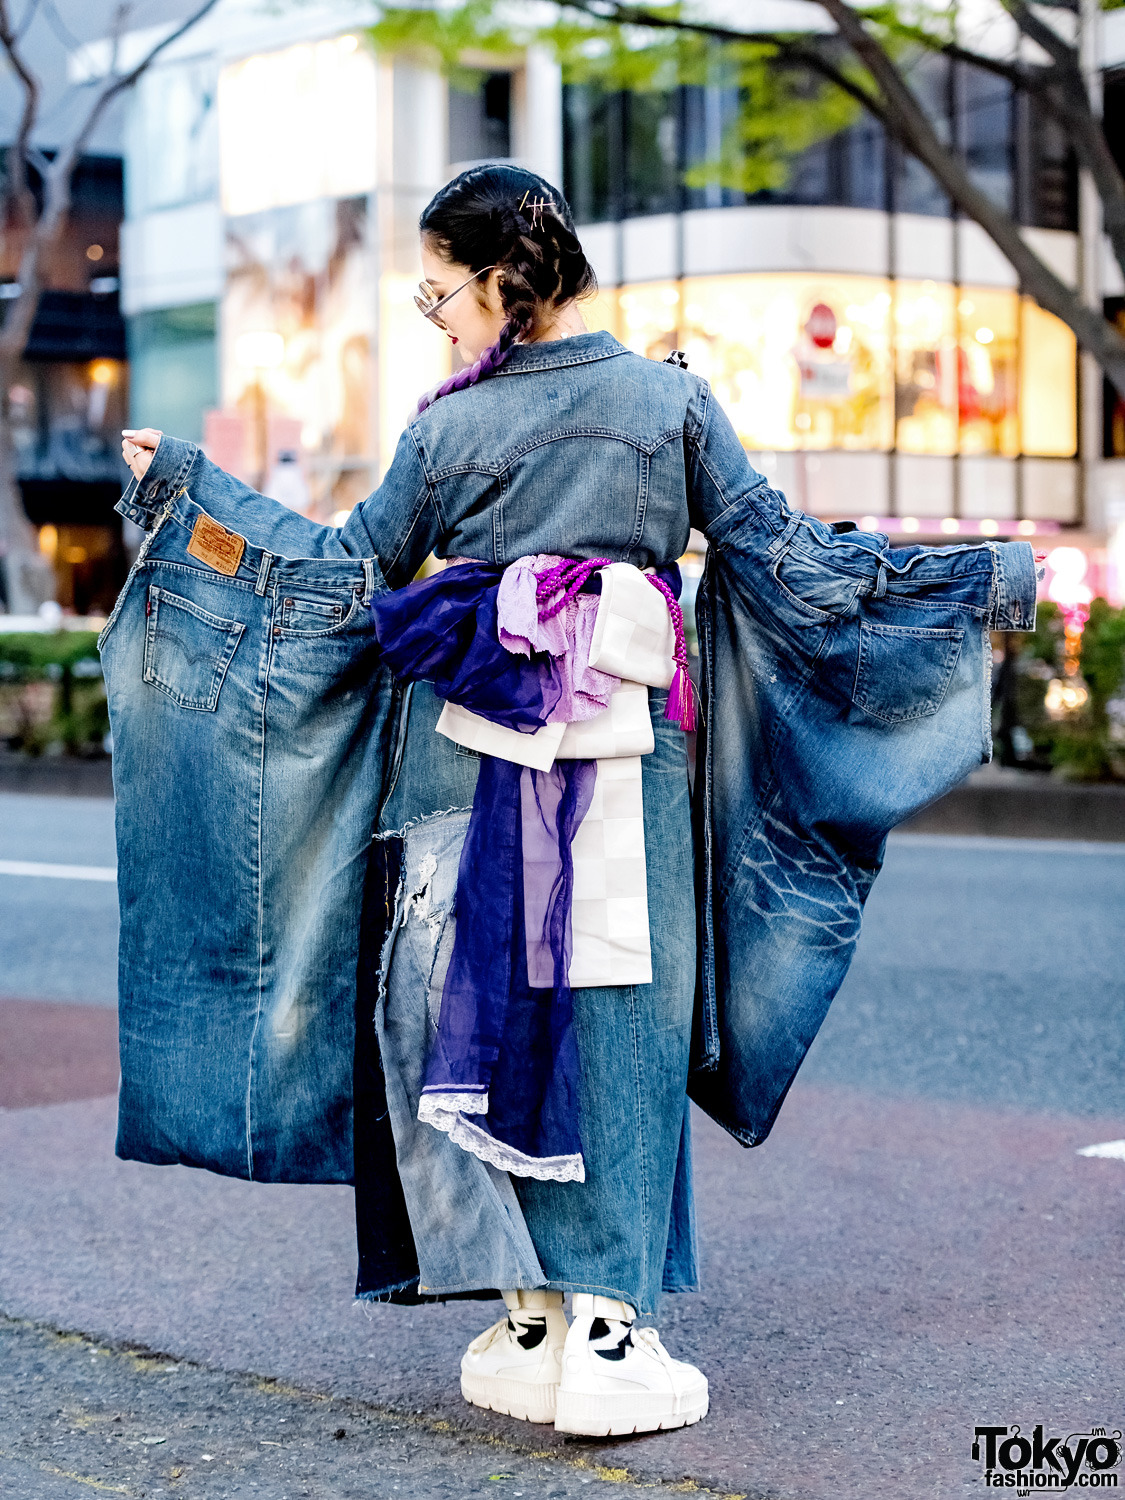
pixel 1048 394
pixel 804 362
pixel 988 371
pixel 925 367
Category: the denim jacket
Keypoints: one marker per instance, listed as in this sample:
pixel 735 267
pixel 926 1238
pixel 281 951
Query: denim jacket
pixel 845 683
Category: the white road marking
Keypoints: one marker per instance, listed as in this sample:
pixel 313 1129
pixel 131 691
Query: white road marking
pixel 57 872
pixel 1112 1149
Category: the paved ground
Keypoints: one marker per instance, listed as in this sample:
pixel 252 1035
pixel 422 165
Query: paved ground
pixel 915 1251
pixel 83 1415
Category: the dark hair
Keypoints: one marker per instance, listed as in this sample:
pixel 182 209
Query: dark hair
pixel 512 219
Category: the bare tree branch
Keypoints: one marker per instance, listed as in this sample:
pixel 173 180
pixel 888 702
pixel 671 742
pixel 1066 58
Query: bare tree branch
pixel 1061 52
pixel 26 573
pixel 913 127
pixel 57 187
pixel 1060 87
pixel 18 186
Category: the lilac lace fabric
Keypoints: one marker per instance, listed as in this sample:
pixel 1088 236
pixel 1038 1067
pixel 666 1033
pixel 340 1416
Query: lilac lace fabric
pixel 565 637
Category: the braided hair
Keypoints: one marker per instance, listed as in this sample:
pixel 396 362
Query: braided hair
pixel 510 218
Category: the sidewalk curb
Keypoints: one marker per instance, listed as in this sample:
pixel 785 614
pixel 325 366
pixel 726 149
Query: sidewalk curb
pixel 55 775
pixel 1043 809
pixel 987 804
pixel 383 1419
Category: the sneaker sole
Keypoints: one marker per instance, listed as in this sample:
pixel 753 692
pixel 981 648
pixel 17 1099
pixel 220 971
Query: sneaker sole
pixel 617 1416
pixel 511 1398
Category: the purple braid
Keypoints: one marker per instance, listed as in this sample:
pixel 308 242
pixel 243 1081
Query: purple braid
pixel 490 361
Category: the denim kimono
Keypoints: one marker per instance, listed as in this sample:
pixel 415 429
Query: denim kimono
pixel 845 683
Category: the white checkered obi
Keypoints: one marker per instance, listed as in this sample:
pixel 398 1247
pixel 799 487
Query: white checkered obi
pixel 610 940
pixel 633 632
pixel 609 909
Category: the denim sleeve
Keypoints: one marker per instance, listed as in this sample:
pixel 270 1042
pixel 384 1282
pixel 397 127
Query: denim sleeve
pixel 399 523
pixel 178 468
pixel 719 472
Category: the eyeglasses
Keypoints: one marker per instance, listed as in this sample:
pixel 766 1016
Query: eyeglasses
pixel 429 303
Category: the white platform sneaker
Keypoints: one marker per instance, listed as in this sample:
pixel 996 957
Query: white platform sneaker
pixel 513 1367
pixel 618 1379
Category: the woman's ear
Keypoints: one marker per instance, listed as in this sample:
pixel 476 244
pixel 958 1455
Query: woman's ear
pixel 493 298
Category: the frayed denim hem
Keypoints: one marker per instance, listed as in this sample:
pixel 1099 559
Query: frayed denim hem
pixel 385 1293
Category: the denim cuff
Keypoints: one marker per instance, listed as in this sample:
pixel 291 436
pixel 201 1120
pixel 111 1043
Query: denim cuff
pixel 1014 599
pixel 171 464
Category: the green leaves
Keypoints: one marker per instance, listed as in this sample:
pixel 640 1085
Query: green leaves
pixel 782 108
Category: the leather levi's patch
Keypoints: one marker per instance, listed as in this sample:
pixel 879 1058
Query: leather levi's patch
pixel 216 546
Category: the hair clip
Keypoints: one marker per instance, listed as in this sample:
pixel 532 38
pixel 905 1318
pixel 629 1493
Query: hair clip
pixel 536 206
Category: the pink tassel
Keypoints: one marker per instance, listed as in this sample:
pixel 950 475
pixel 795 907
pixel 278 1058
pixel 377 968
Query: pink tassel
pixel 681 700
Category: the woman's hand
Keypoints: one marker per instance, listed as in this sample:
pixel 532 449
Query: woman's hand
pixel 137 447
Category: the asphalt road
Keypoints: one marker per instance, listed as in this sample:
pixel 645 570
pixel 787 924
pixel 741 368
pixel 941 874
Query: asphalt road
pixel 917 1249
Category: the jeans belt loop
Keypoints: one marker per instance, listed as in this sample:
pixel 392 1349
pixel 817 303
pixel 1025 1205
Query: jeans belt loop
pixel 368 580
pixel 779 542
pixel 880 580
pixel 268 561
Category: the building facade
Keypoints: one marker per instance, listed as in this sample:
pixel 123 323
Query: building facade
pixel 70 397
pixel 874 351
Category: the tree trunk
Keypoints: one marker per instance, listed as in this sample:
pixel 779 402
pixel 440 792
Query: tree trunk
pixel 28 577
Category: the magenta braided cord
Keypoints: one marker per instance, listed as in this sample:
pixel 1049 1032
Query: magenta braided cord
pixel 681 695
pixel 566 578
pixel 490 361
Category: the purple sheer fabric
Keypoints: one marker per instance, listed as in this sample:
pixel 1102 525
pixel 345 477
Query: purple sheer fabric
pixel 505 1059
pixel 443 630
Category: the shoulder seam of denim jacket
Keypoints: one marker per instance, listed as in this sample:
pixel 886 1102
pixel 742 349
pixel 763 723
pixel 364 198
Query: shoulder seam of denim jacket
pixel 703 393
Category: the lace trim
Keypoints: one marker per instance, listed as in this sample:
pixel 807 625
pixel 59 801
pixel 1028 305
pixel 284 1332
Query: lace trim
pixel 434 1100
pixel 505 1158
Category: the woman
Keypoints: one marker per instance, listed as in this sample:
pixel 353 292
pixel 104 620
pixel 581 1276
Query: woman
pixel 504 275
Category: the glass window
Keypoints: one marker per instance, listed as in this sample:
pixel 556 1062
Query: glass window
pixel 806 362
pixel 297 125
pixel 985 131
pixel 480 114
pixel 988 371
pixel 173 369
pixel 925 367
pixel 797 361
pixel 1048 390
pixel 173 138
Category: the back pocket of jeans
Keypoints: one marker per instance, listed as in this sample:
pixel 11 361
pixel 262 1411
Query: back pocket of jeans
pixel 187 649
pixel 904 670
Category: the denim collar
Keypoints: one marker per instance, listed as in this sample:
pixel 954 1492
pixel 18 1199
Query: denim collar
pixel 556 354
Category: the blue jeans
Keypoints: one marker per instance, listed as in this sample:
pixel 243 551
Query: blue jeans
pixel 628 1231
